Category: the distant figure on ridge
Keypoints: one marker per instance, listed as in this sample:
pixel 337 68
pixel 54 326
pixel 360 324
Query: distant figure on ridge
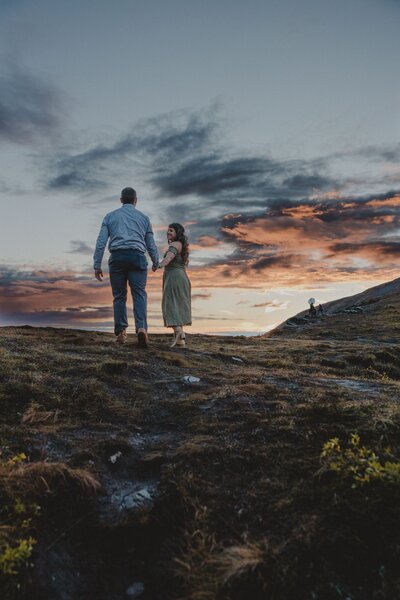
pixel 320 310
pixel 312 310
pixel 130 234
pixel 176 301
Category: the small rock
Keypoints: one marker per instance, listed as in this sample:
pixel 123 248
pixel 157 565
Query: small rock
pixel 191 379
pixel 135 590
pixel 237 359
pixel 113 459
pixel 144 494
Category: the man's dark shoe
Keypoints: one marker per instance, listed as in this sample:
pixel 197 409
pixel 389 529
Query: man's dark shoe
pixel 143 340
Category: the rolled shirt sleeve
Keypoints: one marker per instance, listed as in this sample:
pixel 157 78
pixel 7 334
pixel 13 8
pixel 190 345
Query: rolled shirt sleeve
pixel 150 245
pixel 101 244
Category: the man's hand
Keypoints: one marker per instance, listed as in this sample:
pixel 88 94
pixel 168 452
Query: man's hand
pixel 98 273
pixel 154 268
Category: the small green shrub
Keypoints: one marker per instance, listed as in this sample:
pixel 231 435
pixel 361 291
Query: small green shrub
pixel 17 516
pixel 360 464
pixel 13 558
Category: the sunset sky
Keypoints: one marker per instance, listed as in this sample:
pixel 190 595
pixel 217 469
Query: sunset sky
pixel 269 128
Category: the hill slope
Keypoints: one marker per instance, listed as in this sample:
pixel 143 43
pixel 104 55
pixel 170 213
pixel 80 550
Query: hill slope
pixel 276 475
pixel 373 314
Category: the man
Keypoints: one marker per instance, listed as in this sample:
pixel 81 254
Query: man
pixel 130 235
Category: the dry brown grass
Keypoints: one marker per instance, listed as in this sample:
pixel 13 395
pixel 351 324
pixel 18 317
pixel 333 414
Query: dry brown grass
pixel 236 562
pixel 34 480
pixel 238 460
pixel 34 415
pixel 197 444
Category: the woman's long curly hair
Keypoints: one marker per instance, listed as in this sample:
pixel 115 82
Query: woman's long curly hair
pixel 181 237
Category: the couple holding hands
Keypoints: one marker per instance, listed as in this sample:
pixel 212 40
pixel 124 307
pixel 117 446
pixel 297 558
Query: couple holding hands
pixel 130 235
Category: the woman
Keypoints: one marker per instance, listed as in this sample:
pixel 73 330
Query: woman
pixel 176 304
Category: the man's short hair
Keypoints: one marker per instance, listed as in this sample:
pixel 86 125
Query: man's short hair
pixel 128 195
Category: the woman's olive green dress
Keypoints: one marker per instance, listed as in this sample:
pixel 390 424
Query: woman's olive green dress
pixel 176 302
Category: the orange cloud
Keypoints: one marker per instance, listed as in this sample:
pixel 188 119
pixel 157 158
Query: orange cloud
pixel 208 241
pixel 303 229
pixel 394 202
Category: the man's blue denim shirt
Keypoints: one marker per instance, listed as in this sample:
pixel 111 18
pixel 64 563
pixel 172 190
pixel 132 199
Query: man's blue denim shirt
pixel 126 227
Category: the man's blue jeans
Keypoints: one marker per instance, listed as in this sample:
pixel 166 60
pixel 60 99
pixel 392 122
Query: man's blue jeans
pixel 128 266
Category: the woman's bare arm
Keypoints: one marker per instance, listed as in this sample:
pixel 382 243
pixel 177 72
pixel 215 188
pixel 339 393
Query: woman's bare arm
pixel 171 255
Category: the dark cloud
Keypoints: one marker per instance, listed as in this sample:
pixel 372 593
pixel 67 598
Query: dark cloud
pixel 42 297
pixel 240 183
pixel 184 157
pixel 271 304
pixel 79 247
pixel 373 248
pixel 10 275
pixel 386 154
pixel 29 107
pixel 153 146
pixel 212 318
pixel 42 289
pixel 268 262
pixel 88 170
pixel 302 184
pixel 210 175
pixel 69 317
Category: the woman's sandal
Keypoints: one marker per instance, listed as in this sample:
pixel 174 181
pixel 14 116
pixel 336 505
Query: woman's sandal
pixel 179 340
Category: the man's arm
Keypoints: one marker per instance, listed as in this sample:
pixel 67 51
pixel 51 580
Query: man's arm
pixel 99 251
pixel 151 245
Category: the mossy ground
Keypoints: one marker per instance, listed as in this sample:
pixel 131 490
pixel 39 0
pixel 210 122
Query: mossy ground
pixel 246 508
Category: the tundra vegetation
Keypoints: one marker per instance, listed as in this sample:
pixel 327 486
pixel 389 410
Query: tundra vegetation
pixel 276 476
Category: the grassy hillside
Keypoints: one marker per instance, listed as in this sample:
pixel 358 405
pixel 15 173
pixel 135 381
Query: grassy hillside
pixel 377 319
pixel 275 476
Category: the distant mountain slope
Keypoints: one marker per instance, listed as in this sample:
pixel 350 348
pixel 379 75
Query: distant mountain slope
pixel 374 313
pixel 369 296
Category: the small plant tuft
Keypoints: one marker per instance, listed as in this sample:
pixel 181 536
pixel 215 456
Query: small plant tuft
pixel 360 464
